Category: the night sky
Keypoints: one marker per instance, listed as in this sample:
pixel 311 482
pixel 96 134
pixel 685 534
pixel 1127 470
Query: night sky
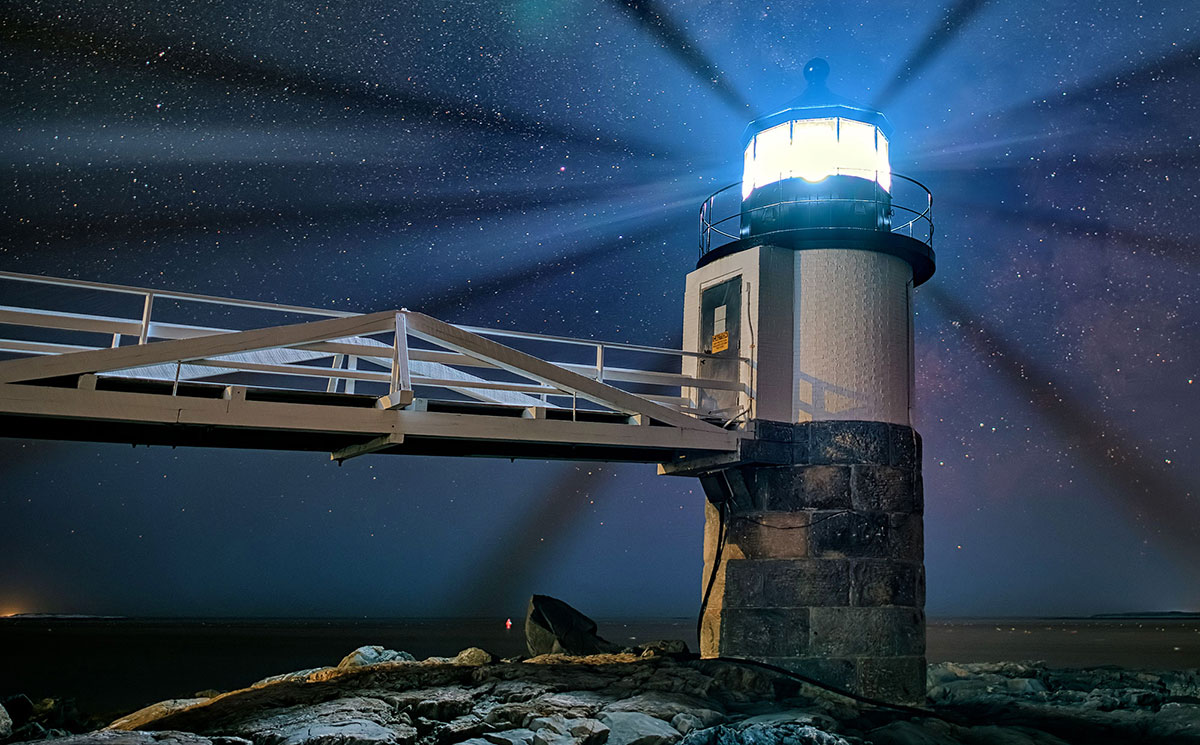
pixel 538 165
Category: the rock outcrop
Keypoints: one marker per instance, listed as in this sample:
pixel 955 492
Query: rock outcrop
pixel 115 737
pixel 372 655
pixel 626 699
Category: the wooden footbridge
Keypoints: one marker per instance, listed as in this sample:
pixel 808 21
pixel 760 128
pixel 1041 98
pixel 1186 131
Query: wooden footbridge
pixel 111 363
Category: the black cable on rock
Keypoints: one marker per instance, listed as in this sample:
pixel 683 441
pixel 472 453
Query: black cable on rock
pixel 914 710
pixel 809 524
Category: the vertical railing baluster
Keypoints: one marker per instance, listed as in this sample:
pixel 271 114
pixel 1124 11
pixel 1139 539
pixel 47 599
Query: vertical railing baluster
pixel 146 308
pixel 332 385
pixel 351 365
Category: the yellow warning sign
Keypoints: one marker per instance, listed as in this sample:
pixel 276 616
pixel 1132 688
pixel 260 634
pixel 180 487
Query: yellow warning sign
pixel 720 342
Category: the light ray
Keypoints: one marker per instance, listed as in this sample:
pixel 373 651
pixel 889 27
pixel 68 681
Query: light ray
pixel 1163 503
pixel 63 42
pixel 671 36
pixel 952 23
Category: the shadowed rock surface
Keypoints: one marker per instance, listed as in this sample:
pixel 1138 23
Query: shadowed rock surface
pixel 627 699
pixel 146 738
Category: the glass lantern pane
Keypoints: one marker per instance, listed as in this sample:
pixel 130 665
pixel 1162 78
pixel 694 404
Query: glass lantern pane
pixel 813 152
pixel 748 170
pixel 856 146
pixel 883 164
pixel 771 154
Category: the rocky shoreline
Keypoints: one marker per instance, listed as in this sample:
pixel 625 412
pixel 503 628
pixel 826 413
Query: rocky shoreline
pixel 656 695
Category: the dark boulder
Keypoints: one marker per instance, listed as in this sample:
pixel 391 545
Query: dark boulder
pixel 19 708
pixel 553 627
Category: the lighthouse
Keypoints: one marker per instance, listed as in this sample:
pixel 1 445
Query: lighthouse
pixel 801 305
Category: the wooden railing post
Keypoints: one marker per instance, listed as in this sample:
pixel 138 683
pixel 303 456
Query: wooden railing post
pixel 401 393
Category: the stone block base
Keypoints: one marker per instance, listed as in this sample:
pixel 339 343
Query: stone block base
pixel 822 569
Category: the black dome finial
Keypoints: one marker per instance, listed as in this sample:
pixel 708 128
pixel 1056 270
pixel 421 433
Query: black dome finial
pixel 816 71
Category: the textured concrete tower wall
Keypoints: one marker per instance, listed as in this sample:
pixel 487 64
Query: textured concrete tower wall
pixel 829 332
pixel 853 336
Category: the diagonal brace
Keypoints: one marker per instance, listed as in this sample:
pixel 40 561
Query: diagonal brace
pixel 366 448
pixel 507 358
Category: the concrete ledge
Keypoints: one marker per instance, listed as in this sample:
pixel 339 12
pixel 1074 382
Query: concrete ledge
pixel 850 442
pixel 810 443
pixel 843 442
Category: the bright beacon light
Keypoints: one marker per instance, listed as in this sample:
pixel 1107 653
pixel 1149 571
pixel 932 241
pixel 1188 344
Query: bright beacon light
pixel 814 150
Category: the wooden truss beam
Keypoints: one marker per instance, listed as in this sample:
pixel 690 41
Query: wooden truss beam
pixel 77 407
pixel 512 360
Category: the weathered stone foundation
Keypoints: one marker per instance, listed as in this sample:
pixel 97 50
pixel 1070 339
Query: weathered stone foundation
pixel 822 568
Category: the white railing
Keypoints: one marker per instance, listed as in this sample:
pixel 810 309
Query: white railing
pixel 386 362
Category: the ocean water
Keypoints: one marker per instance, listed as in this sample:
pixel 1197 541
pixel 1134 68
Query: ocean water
pixel 113 666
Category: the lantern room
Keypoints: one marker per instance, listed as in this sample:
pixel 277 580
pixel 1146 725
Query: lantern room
pixel 820 161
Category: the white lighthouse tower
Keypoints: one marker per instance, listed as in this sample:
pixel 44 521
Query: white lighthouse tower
pixel 803 292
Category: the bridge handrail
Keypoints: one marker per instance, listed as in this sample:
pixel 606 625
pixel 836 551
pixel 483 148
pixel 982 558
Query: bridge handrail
pixel 297 361
pixel 308 310
pixel 172 295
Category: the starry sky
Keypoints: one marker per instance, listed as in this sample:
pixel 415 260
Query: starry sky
pixel 538 165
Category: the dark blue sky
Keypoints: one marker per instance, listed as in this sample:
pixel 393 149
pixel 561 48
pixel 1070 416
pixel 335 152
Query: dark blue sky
pixel 538 165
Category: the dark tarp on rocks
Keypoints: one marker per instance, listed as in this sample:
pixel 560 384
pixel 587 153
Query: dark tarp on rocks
pixel 553 627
